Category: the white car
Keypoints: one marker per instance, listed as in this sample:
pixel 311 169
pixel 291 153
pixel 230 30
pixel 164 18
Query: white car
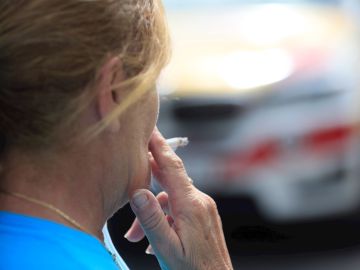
pixel 268 95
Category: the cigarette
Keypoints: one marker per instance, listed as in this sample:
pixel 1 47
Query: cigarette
pixel 174 143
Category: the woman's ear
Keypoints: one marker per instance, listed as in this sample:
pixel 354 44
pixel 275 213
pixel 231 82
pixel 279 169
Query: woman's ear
pixel 107 99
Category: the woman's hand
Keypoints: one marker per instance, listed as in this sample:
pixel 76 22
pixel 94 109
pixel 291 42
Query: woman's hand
pixel 182 224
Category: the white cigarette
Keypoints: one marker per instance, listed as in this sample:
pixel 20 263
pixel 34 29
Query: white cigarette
pixel 174 143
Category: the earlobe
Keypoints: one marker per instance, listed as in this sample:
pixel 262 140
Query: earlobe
pixel 106 101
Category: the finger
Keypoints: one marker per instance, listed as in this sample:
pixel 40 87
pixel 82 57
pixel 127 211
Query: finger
pixel 154 166
pixel 135 232
pixel 149 250
pixel 167 166
pixel 163 200
pixel 170 220
pixel 153 220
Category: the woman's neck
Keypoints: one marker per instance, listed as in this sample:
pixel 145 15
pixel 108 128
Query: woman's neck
pixel 70 187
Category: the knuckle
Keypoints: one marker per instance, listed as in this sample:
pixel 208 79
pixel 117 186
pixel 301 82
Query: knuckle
pixel 212 207
pixel 174 161
pixel 177 163
pixel 198 206
pixel 202 209
pixel 210 202
pixel 153 221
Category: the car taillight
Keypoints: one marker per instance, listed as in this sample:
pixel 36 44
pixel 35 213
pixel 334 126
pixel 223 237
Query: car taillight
pixel 237 163
pixel 330 139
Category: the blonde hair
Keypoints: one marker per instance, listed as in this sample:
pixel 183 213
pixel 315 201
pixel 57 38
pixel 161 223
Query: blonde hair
pixel 52 50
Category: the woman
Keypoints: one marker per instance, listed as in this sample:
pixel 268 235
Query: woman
pixel 78 109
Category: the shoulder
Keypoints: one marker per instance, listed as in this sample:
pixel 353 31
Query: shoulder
pixel 37 244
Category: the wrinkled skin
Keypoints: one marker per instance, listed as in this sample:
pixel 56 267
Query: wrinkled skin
pixel 182 224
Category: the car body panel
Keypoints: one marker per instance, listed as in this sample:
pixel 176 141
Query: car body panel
pixel 290 142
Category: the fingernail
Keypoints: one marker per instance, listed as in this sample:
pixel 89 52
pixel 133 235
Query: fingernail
pixel 126 235
pixel 140 199
pixel 149 251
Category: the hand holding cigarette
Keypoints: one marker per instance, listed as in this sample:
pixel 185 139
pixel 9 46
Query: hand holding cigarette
pixel 174 143
pixel 182 224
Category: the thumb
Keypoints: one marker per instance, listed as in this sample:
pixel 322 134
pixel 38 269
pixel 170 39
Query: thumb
pixel 151 217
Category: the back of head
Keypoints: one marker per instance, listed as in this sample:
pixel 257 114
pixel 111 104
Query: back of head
pixel 51 50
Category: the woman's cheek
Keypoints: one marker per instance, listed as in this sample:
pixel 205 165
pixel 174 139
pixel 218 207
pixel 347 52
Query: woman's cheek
pixel 148 175
pixel 145 170
pixel 142 176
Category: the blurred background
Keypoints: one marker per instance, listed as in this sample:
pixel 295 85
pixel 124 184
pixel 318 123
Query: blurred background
pixel 268 94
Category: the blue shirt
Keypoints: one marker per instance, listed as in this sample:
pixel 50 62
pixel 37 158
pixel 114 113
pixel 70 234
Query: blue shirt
pixel 34 243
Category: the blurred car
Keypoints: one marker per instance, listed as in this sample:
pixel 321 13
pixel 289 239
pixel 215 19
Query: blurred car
pixel 267 93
